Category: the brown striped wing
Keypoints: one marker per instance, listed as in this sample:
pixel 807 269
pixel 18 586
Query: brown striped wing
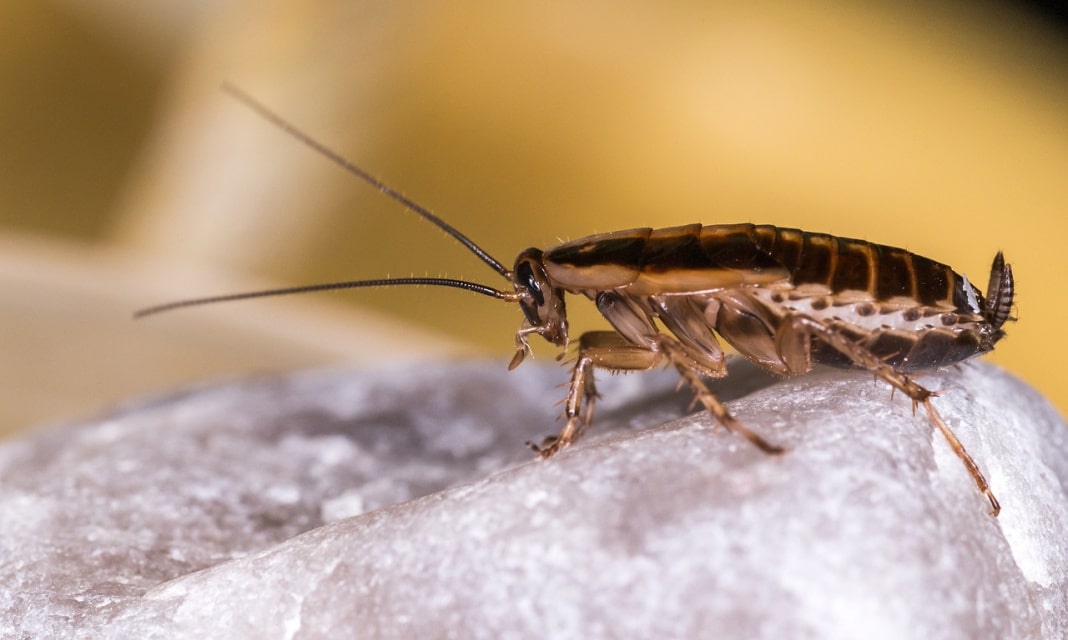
pixel 675 260
pixel 885 273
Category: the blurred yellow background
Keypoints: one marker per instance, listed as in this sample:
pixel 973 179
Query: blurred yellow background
pixel 128 178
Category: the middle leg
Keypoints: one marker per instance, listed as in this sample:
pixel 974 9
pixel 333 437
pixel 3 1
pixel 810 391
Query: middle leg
pixel 688 370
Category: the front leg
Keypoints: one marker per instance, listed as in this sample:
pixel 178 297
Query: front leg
pixel 597 349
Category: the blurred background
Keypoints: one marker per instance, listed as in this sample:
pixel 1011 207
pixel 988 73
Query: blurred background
pixel 127 177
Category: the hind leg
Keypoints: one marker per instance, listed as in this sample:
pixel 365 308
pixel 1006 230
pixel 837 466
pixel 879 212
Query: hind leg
pixel 797 327
pixel 677 355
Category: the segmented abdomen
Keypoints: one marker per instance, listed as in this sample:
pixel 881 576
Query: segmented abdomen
pixel 848 264
pixel 695 258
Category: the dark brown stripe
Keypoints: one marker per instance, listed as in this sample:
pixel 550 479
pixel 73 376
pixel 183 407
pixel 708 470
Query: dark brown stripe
pixel 735 246
pixel 787 247
pixel 674 248
pixel 623 248
pixel 932 280
pixel 816 262
pixel 853 270
pixel 765 236
pixel 895 273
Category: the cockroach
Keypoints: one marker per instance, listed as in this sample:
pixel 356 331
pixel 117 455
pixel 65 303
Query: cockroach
pixel 783 298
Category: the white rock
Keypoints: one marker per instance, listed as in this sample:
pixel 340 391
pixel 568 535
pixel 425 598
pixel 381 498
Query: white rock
pixel 402 504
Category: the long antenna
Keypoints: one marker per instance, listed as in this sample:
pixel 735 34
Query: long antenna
pixel 349 166
pixel 383 282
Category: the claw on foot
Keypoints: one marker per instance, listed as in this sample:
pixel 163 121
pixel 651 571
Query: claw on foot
pixel 548 447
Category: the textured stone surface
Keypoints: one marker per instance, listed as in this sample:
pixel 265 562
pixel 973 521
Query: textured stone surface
pixel 402 504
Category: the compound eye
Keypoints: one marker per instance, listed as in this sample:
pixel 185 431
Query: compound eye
pixel 528 280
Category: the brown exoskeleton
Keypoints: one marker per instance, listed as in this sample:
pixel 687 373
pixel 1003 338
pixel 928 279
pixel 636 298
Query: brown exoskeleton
pixel 784 298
